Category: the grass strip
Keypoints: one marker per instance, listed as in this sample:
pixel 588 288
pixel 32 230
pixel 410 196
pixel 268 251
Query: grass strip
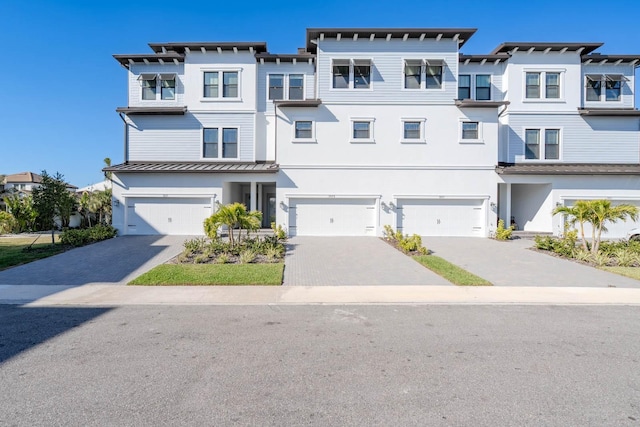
pixel 13 250
pixel 211 275
pixel 633 272
pixel 451 272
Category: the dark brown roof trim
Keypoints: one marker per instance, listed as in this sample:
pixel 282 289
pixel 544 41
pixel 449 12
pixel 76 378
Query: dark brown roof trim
pixel 301 103
pixel 462 34
pixel 270 57
pixel 615 59
pixel 149 111
pixel 609 112
pixel 193 167
pixel 126 60
pixel 470 103
pixel 508 47
pixel 483 59
pixel 257 47
pixel 568 169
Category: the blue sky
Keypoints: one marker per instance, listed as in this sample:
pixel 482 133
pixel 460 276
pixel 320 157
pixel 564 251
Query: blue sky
pixel 61 85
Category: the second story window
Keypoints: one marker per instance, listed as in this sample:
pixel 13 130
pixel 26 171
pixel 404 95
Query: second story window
pixel 303 129
pixel 230 84
pixel 340 73
pixel 149 85
pixel 470 131
pixel 212 148
pixel 483 87
pixel 552 86
pixel 613 87
pixel 276 86
pixel 594 87
pixel 533 150
pixel 211 85
pixel 464 86
pixel 433 78
pixel 412 74
pixel 214 79
pixel 533 85
pixel 361 74
pixel 296 86
pixel 167 86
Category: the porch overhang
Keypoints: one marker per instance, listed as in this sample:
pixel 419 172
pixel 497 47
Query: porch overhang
pixel 149 111
pixel 568 169
pixel 470 103
pixel 194 167
pixel 609 112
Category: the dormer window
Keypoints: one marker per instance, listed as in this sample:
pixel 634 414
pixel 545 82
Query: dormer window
pixel 612 84
pixel 148 84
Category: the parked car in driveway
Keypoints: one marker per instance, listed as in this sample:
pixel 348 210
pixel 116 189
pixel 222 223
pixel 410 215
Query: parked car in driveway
pixel 634 234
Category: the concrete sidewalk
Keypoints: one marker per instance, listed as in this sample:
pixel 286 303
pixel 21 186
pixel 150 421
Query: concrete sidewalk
pixel 512 263
pixel 108 295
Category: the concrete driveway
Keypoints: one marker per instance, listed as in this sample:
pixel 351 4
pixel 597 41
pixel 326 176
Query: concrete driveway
pixel 321 261
pixel 514 264
pixel 114 261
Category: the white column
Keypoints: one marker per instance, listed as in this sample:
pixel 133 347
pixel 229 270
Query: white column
pixel 507 220
pixel 252 198
pixel 260 197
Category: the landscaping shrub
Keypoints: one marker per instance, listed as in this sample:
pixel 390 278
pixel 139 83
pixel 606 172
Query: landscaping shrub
pixel 406 243
pixel 222 259
pixel 504 233
pixel 89 235
pixel 278 232
pixel 194 245
pixel 247 256
pixel 8 223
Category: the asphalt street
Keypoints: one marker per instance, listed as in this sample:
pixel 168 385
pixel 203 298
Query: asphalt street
pixel 320 365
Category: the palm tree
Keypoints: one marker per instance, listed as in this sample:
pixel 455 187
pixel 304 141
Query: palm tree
pixel 234 215
pixel 580 213
pixel 602 212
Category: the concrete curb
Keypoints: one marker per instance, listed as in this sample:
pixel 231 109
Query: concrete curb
pixel 110 295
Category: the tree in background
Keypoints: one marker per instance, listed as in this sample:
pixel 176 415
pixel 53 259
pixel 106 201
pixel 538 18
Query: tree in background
pixel 23 211
pixel 52 199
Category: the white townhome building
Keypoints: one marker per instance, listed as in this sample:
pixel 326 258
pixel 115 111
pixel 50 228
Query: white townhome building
pixel 368 127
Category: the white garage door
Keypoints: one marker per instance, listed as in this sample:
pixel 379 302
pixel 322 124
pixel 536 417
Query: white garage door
pixel 177 216
pixel 616 230
pixel 441 217
pixel 332 217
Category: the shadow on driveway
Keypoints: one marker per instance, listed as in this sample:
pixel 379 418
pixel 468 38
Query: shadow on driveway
pixel 22 328
pixel 113 261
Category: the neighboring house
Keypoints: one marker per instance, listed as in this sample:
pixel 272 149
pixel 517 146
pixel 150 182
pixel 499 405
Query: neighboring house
pixel 98 186
pixel 24 183
pixel 368 127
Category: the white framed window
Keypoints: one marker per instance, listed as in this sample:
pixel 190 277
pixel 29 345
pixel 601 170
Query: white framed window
pixel 303 131
pixel 464 86
pixel 541 144
pixel 218 84
pixel 362 129
pixel 423 74
pixel 148 83
pixel 470 131
pixel 276 86
pixel 285 86
pixel 483 87
pixel 220 143
pixel 544 85
pixel 611 83
pixel 351 74
pixel 413 130
pixel 167 87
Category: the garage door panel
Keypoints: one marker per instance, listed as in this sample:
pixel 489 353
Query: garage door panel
pixel 173 216
pixel 332 217
pixel 451 217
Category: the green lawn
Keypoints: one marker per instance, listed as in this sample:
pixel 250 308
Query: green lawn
pixel 633 272
pixel 451 272
pixel 212 274
pixel 12 250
